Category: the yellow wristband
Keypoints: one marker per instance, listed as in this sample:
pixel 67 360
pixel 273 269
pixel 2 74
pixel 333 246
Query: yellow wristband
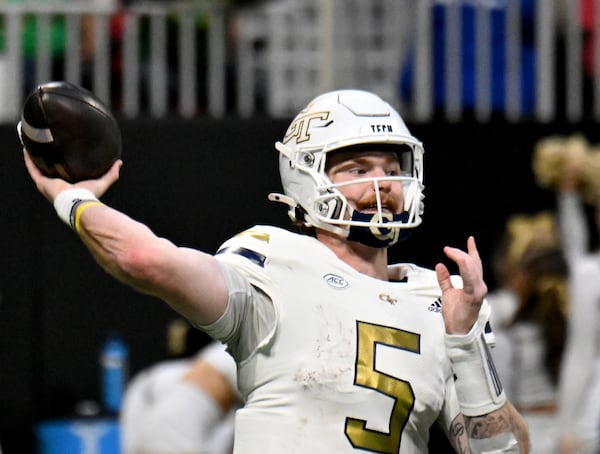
pixel 79 208
pixel 67 200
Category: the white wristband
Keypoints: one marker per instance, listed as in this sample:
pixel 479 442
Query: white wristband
pixel 478 386
pixel 67 200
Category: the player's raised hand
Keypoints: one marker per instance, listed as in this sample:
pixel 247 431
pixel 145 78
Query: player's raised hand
pixel 460 306
pixel 50 187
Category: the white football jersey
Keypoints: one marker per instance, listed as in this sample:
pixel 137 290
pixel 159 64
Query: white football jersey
pixel 352 364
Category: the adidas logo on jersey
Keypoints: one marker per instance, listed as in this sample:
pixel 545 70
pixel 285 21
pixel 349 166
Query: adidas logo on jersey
pixel 436 306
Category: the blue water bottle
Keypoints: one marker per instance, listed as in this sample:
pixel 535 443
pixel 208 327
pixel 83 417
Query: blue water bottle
pixel 114 358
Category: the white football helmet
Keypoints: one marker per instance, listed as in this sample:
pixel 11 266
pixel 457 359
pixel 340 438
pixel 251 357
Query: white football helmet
pixel 342 119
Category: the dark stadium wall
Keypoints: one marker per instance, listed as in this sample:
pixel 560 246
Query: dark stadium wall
pixel 197 182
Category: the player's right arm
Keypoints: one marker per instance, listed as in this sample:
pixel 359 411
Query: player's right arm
pixel 190 281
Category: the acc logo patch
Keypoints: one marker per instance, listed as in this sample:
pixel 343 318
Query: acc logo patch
pixel 335 281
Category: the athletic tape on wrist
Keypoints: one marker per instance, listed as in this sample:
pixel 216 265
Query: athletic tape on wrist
pixel 69 205
pixel 478 386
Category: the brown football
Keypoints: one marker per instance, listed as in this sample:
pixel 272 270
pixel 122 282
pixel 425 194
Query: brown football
pixel 68 132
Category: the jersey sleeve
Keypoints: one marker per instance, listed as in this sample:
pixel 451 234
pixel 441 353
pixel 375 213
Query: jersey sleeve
pixel 248 252
pixel 243 259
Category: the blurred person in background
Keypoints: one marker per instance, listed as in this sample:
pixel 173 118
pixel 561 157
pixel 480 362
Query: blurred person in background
pixel 185 404
pixel 529 317
pixel 572 167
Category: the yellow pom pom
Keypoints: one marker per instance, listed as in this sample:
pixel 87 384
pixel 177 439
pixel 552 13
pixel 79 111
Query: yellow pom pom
pixel 526 231
pixel 548 160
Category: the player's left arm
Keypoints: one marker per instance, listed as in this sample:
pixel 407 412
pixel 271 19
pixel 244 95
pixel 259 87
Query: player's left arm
pixel 501 431
pixel 489 422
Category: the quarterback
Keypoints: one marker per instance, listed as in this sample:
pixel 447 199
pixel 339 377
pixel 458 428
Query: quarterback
pixel 337 351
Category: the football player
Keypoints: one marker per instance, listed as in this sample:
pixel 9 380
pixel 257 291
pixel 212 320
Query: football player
pixel 337 351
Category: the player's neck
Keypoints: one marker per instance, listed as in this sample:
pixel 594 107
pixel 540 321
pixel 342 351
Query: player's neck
pixel 365 259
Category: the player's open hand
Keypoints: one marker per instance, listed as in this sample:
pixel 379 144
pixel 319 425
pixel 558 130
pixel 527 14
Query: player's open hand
pixel 50 187
pixel 460 306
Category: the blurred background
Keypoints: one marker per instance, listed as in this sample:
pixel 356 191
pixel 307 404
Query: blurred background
pixel 202 89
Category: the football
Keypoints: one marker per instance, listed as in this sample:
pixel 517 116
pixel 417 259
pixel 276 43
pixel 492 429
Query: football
pixel 68 132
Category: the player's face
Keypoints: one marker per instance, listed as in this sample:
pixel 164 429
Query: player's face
pixel 347 166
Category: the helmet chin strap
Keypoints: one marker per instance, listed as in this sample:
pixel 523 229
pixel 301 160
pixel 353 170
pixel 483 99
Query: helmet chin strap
pixel 378 237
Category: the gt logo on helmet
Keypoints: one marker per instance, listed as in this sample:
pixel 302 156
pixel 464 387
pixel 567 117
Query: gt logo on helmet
pixel 301 126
